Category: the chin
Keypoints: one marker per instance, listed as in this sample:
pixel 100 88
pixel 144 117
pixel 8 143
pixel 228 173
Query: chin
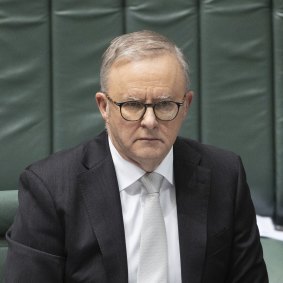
pixel 151 154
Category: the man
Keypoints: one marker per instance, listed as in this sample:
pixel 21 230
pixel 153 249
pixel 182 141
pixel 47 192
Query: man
pixel 93 213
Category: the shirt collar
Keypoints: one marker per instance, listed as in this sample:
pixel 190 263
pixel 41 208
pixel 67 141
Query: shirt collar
pixel 128 173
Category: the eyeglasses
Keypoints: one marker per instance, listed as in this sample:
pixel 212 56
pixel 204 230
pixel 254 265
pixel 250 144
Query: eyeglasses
pixel 135 110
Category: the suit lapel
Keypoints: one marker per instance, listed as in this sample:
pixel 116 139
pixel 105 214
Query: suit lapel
pixel 101 195
pixel 192 192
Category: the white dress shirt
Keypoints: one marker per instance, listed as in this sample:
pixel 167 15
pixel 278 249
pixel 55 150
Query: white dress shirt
pixel 132 193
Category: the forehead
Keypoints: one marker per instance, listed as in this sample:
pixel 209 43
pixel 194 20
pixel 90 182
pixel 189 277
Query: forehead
pixel 154 75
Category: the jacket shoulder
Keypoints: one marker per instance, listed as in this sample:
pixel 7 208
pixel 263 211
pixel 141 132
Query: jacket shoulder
pixel 70 161
pixel 209 155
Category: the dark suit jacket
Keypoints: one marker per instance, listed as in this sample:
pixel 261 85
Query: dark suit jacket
pixel 69 225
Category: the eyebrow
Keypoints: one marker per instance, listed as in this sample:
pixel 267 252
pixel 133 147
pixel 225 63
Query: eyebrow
pixel 133 98
pixel 162 97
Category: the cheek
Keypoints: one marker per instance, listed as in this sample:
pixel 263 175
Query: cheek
pixel 123 131
pixel 171 130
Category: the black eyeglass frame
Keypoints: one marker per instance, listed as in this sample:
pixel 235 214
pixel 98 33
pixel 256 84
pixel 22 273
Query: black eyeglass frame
pixel 146 105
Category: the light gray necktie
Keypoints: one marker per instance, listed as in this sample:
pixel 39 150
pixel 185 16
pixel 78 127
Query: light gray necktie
pixel 153 263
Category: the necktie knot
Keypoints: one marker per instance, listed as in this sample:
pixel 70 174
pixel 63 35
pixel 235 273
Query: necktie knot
pixel 152 182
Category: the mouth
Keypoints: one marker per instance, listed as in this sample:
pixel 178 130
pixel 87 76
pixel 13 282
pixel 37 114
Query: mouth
pixel 149 139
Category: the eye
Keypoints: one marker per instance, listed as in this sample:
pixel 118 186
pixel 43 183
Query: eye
pixel 165 105
pixel 133 106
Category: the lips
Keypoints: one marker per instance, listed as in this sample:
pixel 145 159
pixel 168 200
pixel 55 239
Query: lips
pixel 148 139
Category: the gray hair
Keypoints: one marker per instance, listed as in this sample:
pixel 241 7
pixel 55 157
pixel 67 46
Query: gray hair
pixel 136 46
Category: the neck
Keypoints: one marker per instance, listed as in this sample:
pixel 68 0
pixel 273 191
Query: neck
pixel 147 166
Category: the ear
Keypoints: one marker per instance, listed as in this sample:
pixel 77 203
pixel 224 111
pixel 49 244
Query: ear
pixel 101 102
pixel 188 100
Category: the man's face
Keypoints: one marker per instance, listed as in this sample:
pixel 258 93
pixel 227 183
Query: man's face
pixel 145 142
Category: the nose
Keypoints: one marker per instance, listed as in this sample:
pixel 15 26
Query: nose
pixel 149 119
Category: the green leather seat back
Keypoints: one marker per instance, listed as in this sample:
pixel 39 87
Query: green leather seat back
pixel 237 88
pixel 25 89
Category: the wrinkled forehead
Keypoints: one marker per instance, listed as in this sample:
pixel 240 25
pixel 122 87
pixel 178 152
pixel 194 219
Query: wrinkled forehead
pixel 157 76
pixel 150 57
pixel 138 65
